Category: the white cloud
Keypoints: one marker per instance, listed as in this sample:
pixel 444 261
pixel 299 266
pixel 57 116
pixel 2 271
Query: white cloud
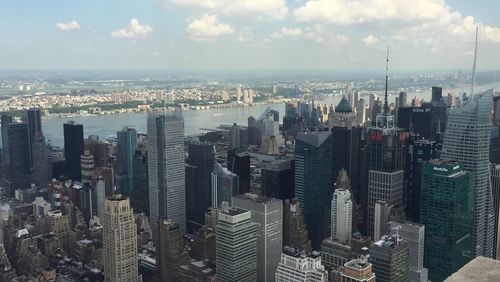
pixel 254 9
pixel 288 32
pixel 321 34
pixel 370 40
pixel 134 30
pixel 244 35
pixel 72 25
pixel 420 16
pixel 207 28
pixel 342 38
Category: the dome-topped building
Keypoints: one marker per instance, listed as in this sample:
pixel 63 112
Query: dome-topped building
pixel 343 116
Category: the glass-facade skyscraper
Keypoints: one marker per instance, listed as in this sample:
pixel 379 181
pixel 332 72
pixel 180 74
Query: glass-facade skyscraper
pixel 446 211
pixel 467 140
pixel 73 149
pixel 167 193
pixel 314 182
pixel 127 144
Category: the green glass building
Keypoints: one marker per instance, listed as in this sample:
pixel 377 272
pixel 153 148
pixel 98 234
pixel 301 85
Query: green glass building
pixel 446 211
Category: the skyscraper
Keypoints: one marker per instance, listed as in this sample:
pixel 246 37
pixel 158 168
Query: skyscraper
pixel 357 270
pixel 236 246
pixel 414 233
pixel 446 210
pixel 467 140
pixel 239 163
pixel 19 152
pixel 495 189
pixel 201 158
pixel 167 195
pixel 314 182
pixel 119 240
pixel 170 248
pixel 225 185
pixel 34 126
pixel 40 161
pixel 234 137
pixel 341 214
pixel 73 149
pixel 295 233
pixel 126 146
pixel 87 165
pixel 277 178
pixel 6 119
pixel 267 213
pixel 297 266
pixel 389 257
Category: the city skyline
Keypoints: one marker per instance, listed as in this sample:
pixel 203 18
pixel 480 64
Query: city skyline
pixel 248 34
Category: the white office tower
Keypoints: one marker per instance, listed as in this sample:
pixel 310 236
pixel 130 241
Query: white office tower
pixel 298 267
pixel 341 215
pixel 238 94
pixel 100 190
pixel 236 245
pixel 267 213
pixel 414 233
pixel 167 193
pixel 467 140
pixel 120 241
pixel 361 111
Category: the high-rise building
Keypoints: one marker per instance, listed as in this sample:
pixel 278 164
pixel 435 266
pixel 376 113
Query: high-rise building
pixel 361 111
pixel 236 245
pixel 167 195
pixel 34 125
pixel 234 137
pixel 126 146
pixel 495 189
pixel 239 163
pixel 40 161
pixel 357 270
pixel 98 149
pixel 267 213
pixel 170 249
pixel 277 178
pixel 341 215
pixel 19 152
pixel 389 257
pixel 314 182
pixel 225 185
pixel 418 120
pixel 201 158
pixel 140 199
pixel 295 233
pixel 446 210
pixel 296 266
pixel 385 157
pixel 419 151
pixel 467 140
pixel 73 149
pixel 120 241
pixel 6 119
pixel 403 99
pixel 414 233
pixel 87 165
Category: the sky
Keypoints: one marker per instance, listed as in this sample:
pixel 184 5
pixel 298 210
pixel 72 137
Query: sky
pixel 248 34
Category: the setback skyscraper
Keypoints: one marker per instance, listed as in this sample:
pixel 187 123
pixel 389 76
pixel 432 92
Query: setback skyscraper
pixel 167 195
pixel 225 185
pixel 467 140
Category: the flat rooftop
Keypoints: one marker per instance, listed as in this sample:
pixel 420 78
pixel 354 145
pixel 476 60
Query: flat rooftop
pixel 480 269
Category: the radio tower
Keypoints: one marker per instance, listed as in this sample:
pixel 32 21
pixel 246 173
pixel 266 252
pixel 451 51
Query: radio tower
pixel 386 106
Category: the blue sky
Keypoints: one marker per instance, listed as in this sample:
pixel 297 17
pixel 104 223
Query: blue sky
pixel 248 34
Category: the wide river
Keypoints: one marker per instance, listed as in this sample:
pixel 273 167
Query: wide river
pixel 194 120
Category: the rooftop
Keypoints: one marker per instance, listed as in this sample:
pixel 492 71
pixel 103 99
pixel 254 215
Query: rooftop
pixel 480 269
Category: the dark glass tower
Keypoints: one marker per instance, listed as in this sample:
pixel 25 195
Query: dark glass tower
pixel 419 119
pixel 239 164
pixel 19 152
pixel 73 149
pixel 127 144
pixel 314 182
pixel 278 179
pixel 5 120
pixel 446 211
pixel 201 159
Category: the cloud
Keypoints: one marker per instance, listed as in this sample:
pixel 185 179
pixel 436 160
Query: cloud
pixel 288 32
pixel 253 9
pixel 321 34
pixel 342 38
pixel 134 30
pixel 401 16
pixel 370 40
pixel 70 26
pixel 207 28
pixel 244 35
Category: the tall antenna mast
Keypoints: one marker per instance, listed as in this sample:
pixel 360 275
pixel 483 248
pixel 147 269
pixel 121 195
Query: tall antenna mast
pixel 474 66
pixel 386 106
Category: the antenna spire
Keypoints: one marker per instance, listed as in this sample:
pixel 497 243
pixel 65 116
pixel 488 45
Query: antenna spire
pixel 386 106
pixel 474 65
